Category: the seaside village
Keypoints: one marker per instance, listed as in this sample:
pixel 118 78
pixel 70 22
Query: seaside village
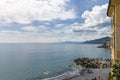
pixel 103 69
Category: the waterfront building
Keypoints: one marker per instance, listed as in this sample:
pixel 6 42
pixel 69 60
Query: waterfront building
pixel 114 13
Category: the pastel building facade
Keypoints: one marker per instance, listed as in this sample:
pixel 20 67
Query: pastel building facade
pixel 114 13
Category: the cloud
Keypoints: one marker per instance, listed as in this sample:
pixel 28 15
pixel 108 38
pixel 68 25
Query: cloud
pixel 104 31
pixel 96 17
pixel 26 11
pixel 59 25
pixel 5 34
pixel 9 31
pixel 44 28
pixel 86 31
pixel 11 36
pixel 96 22
pixel 30 28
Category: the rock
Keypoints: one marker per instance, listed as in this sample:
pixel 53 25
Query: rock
pixel 106 44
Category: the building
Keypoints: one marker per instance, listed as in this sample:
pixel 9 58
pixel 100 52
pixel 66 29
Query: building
pixel 108 43
pixel 114 13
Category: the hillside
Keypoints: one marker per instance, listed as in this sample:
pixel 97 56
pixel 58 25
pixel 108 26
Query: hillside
pixel 97 41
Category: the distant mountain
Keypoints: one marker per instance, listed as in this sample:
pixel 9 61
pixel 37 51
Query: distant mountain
pixel 68 42
pixel 97 41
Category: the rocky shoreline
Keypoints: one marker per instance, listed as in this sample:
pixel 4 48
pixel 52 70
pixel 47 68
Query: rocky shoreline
pixel 93 63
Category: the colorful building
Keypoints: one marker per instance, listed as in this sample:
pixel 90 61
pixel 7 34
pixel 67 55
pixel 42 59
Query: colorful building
pixel 114 13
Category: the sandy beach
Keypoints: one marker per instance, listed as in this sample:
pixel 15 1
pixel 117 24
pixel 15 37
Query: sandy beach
pixel 103 73
pixel 90 69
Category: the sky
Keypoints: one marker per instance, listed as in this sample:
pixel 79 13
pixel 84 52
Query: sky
pixel 28 21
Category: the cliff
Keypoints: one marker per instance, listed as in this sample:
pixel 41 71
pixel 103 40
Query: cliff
pixel 106 44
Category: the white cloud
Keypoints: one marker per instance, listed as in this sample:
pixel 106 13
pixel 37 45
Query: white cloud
pixel 96 25
pixel 96 16
pixel 44 28
pixel 26 11
pixel 10 36
pixel 30 28
pixel 104 31
pixel 96 22
pixel 59 25
pixel 10 31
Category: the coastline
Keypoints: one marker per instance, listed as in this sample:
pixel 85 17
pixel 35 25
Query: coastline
pixel 74 75
pixel 85 73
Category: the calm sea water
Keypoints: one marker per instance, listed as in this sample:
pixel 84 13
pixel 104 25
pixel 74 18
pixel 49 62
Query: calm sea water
pixel 29 61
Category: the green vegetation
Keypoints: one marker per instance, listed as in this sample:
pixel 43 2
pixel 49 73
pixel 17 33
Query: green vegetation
pixel 110 77
pixel 116 70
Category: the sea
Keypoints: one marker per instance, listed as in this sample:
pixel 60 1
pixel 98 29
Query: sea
pixel 37 61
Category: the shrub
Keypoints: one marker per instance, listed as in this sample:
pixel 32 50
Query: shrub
pixel 115 71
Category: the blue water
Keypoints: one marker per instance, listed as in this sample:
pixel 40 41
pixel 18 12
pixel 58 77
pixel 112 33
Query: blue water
pixel 29 61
